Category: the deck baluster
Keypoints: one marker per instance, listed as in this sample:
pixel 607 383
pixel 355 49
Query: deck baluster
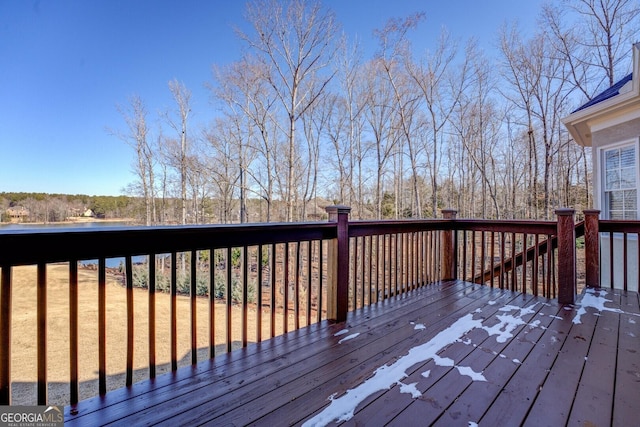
pixel 152 315
pixel 73 331
pixel 5 335
pixel 447 249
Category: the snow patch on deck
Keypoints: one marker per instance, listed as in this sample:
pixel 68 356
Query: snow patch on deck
pixel 385 377
pixel 594 299
pixel 349 337
pixel 508 322
pixel 467 371
pixel 410 389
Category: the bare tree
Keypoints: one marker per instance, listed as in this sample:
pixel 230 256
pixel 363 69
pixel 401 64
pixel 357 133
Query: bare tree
pixel 540 79
pixel 249 102
pixel 314 123
pixel 222 166
pixel 295 41
pixel 137 137
pixel 440 92
pixel 339 157
pixel 519 92
pixel 378 112
pixel 394 55
pixel 179 123
pixel 476 123
pixel 593 37
pixel 346 128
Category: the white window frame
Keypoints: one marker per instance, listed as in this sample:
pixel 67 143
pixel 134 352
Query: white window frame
pixel 604 207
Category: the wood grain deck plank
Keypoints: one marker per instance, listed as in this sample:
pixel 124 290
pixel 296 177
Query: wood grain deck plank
pixel 552 372
pixel 474 401
pixel 593 403
pixel 229 379
pixel 347 363
pixel 437 388
pixel 553 403
pixel 166 388
pixel 627 389
pixel 518 393
pixel 448 389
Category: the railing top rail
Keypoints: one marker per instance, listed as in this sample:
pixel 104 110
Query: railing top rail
pixel 32 246
pixel 619 226
pixel 507 225
pixel 368 228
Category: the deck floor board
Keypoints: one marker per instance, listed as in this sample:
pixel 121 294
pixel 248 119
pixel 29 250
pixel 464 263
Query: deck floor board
pixel 596 387
pixel 461 353
pixel 627 375
pixel 474 401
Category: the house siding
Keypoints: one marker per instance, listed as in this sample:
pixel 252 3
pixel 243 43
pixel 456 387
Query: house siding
pixel 603 138
pixel 627 131
pixel 621 132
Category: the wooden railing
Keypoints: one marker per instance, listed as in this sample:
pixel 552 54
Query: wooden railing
pixel 283 276
pixel 388 258
pixel 515 255
pixel 612 252
pixel 276 270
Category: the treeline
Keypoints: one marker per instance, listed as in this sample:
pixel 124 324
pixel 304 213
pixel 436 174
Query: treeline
pixel 44 207
pixel 51 208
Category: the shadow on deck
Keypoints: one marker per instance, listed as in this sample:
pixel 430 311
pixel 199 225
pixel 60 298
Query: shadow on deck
pixel 452 353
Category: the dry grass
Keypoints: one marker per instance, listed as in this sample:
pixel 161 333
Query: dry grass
pixel 24 338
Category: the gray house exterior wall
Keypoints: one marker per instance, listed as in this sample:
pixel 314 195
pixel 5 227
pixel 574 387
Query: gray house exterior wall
pixel 604 138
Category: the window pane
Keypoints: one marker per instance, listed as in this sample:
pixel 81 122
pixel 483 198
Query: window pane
pixel 620 186
pixel 612 159
pixel 613 180
pixel 630 200
pixel 616 214
pixel 628 178
pixel 628 157
pixel 616 201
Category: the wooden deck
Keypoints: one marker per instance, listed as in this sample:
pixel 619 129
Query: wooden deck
pixel 448 354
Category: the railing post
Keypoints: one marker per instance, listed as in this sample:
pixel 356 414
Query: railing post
pixel 448 255
pixel 592 247
pixel 566 256
pixel 338 265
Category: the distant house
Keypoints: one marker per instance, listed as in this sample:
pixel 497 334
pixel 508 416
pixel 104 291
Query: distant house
pixel 89 214
pixel 17 214
pixel 610 124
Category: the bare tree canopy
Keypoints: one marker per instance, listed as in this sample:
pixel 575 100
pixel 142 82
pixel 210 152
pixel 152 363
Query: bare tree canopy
pixel 295 42
pixel 303 119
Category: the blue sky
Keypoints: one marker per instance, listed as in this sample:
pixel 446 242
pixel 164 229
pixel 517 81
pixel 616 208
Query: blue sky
pixel 65 65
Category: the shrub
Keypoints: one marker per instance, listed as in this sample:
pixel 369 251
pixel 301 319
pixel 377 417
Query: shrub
pixel 183 284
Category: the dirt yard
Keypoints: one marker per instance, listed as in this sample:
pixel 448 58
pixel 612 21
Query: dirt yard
pixel 24 341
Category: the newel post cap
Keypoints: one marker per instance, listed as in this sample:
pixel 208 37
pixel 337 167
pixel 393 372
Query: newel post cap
pixel 337 211
pixel 449 213
pixel 565 211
